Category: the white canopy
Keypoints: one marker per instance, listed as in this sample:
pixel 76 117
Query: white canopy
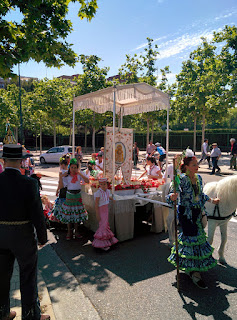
pixel 130 99
pixel 124 100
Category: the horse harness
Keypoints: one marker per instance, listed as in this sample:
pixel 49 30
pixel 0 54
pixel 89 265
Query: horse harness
pixel 218 216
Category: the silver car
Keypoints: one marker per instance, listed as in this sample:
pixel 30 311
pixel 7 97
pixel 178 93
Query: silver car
pixel 54 154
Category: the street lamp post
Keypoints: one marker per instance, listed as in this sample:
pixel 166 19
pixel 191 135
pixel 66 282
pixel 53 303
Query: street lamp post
pixel 21 120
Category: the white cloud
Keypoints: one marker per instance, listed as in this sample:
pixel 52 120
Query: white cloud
pixel 143 45
pixel 224 16
pixel 181 44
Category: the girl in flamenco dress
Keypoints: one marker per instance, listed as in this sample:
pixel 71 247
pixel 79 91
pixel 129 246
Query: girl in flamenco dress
pixel 61 192
pixel 104 237
pixel 195 253
pixel 72 210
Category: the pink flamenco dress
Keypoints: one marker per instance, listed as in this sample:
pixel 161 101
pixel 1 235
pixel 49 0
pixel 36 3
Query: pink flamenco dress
pixel 104 237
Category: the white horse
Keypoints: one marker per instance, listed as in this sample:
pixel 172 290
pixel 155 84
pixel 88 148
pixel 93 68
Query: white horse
pixel 226 191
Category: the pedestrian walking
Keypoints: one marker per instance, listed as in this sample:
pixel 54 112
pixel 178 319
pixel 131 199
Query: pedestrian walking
pixel 20 215
pixel 104 237
pixel 195 253
pixel 135 154
pixel 161 153
pixel 233 152
pixel 150 149
pixel 205 153
pixel 72 210
pixel 215 156
pixel 79 154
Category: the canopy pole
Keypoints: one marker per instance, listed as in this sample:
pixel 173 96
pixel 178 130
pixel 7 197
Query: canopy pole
pixel 114 115
pixel 167 141
pixel 121 117
pixel 73 129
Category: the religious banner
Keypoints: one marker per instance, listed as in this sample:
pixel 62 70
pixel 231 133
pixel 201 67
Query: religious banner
pixel 9 138
pixel 123 152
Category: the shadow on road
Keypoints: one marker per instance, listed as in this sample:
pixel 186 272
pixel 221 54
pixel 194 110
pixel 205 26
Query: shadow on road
pixel 133 261
pixel 214 301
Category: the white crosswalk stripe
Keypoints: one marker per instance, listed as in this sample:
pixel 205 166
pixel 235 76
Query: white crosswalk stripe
pixel 47 181
pixel 49 186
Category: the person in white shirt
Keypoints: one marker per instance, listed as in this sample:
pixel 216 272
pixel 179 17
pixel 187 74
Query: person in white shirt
pixel 153 171
pixel 72 210
pixel 99 163
pixel 205 153
pixel 215 156
pixel 104 237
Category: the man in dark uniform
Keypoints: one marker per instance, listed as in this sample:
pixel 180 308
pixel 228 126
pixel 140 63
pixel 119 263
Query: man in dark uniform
pixel 21 214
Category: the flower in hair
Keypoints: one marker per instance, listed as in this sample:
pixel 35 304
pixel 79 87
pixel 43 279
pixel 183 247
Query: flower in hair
pixel 189 153
pixel 73 161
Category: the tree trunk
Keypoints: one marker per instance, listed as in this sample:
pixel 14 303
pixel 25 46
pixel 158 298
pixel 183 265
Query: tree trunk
pixel 36 146
pixel 93 133
pixel 16 135
pixel 85 138
pixel 152 130
pixel 195 134
pixel 147 133
pixel 54 133
pixel 40 138
pixel 203 127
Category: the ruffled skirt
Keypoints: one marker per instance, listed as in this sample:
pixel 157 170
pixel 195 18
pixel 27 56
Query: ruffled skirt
pixel 56 208
pixel 195 253
pixel 104 237
pixel 72 209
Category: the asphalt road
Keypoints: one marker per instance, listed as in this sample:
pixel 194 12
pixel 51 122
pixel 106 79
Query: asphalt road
pixel 134 281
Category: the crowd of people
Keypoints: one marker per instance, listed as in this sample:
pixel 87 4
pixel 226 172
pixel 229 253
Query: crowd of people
pixel 23 218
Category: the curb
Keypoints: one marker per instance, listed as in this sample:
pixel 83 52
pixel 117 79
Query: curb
pixel 15 295
pixel 67 298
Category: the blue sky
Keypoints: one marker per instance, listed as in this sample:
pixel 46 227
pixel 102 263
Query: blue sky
pixel 121 27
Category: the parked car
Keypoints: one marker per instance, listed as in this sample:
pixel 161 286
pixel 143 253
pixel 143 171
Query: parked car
pixel 54 154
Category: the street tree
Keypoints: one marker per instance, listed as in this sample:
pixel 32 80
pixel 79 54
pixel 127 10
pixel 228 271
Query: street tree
pixel 54 97
pixel 129 72
pixel 40 34
pixel 202 86
pixel 9 106
pixel 92 79
pixel 185 104
pixel 228 59
pixel 149 70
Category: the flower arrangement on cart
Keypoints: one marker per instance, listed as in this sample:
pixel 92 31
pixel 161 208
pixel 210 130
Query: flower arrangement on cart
pixel 136 186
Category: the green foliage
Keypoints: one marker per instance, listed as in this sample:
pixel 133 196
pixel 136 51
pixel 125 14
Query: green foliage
pixel 228 59
pixel 149 60
pixel 129 71
pixel 41 34
pixel 28 85
pixel 202 86
pixel 92 79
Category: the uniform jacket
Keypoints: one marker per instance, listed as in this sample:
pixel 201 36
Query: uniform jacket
pixel 20 201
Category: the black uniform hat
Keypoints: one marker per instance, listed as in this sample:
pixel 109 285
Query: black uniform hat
pixel 14 152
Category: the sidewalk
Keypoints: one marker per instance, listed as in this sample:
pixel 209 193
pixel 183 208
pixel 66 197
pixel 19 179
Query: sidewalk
pixel 15 295
pixel 58 289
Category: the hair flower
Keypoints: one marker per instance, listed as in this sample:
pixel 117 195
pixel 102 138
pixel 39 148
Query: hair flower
pixel 189 153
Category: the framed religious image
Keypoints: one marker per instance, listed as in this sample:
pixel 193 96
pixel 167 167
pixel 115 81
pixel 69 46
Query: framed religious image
pixel 123 152
pixel 120 153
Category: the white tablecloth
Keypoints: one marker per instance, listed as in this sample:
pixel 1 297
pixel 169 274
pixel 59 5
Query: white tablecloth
pixel 121 214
